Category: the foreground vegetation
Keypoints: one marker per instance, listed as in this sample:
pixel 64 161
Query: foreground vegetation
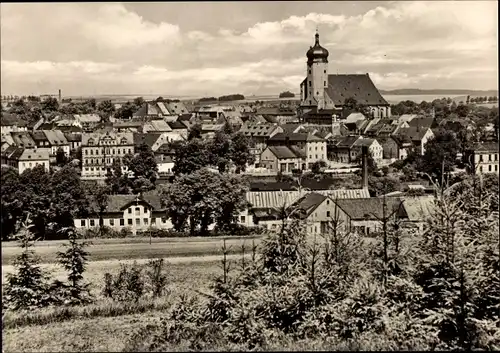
pixel 398 291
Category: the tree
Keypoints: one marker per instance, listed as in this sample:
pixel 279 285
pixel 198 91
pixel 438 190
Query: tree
pixel 50 105
pixel 125 112
pixel 105 108
pixel 462 111
pixel 69 198
pixel 318 166
pixel 143 164
pixel 190 156
pixel 202 198
pixel 19 107
pixel 371 164
pixel 138 102
pixel 11 201
pixel 241 154
pixel 74 260
pixel 194 132
pixel 61 158
pixel 286 94
pixel 26 288
pixel 440 154
pixel 116 181
pixel 99 196
pixel 383 185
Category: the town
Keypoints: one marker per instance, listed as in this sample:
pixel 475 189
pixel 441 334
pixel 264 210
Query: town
pixel 333 214
pixel 317 138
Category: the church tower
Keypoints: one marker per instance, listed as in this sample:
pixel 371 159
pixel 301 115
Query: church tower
pixel 313 91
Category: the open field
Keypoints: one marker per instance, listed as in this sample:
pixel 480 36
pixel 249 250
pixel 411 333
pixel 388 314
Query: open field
pixel 136 248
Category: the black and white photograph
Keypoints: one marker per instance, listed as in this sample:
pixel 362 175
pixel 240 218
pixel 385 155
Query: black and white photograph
pixel 249 176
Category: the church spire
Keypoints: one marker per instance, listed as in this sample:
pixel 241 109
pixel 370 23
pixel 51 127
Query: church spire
pixel 317 37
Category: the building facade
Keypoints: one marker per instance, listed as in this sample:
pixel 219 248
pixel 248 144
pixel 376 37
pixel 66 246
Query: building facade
pixel 100 150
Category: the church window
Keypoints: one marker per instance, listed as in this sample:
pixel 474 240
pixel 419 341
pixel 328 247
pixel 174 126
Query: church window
pixel 324 71
pixel 309 72
pixel 309 83
pixel 317 92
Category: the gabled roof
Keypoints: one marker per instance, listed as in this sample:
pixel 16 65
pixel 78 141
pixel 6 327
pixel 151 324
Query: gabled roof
pixel 353 117
pixel 23 139
pixel 414 133
pixel 418 208
pixel 39 136
pixel 370 208
pixel 126 137
pixel 257 130
pixel 308 203
pixel 408 117
pixel 55 137
pixel 118 203
pixel 364 142
pixel 423 122
pixel 177 108
pixel 359 87
pixel 486 147
pixel 128 124
pixel 282 152
pixel 87 118
pixel 149 138
pixel 295 137
pixel 177 125
pixel 34 155
pixel 291 127
pixel 73 137
pixel 13 152
pixel 159 125
pixel 71 128
pixel 347 142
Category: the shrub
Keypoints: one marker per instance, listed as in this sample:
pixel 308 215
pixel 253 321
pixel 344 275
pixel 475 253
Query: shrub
pixel 28 287
pixel 157 280
pixel 74 260
pixel 127 285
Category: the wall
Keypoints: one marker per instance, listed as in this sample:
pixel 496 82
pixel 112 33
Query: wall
pixel 23 165
pixel 486 163
pixel 315 151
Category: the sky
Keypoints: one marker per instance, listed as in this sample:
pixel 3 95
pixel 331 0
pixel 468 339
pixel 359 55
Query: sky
pixel 217 48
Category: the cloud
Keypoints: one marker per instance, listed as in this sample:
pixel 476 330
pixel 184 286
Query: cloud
pixel 401 44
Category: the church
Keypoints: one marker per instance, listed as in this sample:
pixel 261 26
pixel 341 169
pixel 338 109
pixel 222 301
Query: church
pixel 322 95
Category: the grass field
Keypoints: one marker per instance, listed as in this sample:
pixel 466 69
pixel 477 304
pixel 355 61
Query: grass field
pixel 136 248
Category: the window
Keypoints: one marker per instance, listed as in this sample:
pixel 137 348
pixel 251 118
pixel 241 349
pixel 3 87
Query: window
pixel 309 83
pixel 327 202
pixel 481 168
pixel 489 168
pixel 137 211
pixel 91 152
pixel 129 221
pixel 145 221
pixel 129 210
pixel 490 157
pixel 112 222
pixel 82 223
pixel 242 219
pixel 480 158
pixel 153 220
pixel 122 222
pixel 137 221
pixel 328 213
pixel 164 219
pixel 496 167
pixel 92 223
pixel 325 84
pixel 30 164
pixel 86 152
pixel 309 72
pixel 324 71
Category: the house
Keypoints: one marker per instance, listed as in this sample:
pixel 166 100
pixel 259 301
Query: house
pixel 418 209
pixel 12 123
pixel 150 139
pixel 101 149
pixel 259 134
pixel 423 122
pixel 482 158
pixel 395 146
pixel 284 159
pixel 312 146
pixel 374 148
pixel 88 122
pixel 74 140
pixel 339 149
pixel 179 130
pixel 418 136
pixel 160 109
pixel 137 213
pixel 56 140
pixel 365 215
pixel 157 125
pixel 165 164
pixel 266 206
pixel 25 158
pixel 23 139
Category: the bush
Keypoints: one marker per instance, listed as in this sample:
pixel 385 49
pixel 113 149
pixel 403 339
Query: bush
pixel 133 282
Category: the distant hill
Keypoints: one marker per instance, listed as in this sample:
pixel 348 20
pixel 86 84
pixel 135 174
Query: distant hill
pixel 416 91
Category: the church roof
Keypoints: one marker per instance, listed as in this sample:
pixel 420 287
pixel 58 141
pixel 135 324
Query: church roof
pixel 357 86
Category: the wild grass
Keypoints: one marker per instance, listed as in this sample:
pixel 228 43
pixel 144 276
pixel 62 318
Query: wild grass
pixel 105 308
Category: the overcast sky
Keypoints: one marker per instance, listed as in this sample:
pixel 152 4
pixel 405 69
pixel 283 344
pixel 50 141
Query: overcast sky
pixel 199 49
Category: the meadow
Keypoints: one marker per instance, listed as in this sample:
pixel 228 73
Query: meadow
pixel 105 324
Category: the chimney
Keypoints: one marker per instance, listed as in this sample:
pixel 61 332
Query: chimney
pixel 364 166
pixel 60 97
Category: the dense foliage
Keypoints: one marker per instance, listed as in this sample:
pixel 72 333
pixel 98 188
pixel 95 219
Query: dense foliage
pixel 398 291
